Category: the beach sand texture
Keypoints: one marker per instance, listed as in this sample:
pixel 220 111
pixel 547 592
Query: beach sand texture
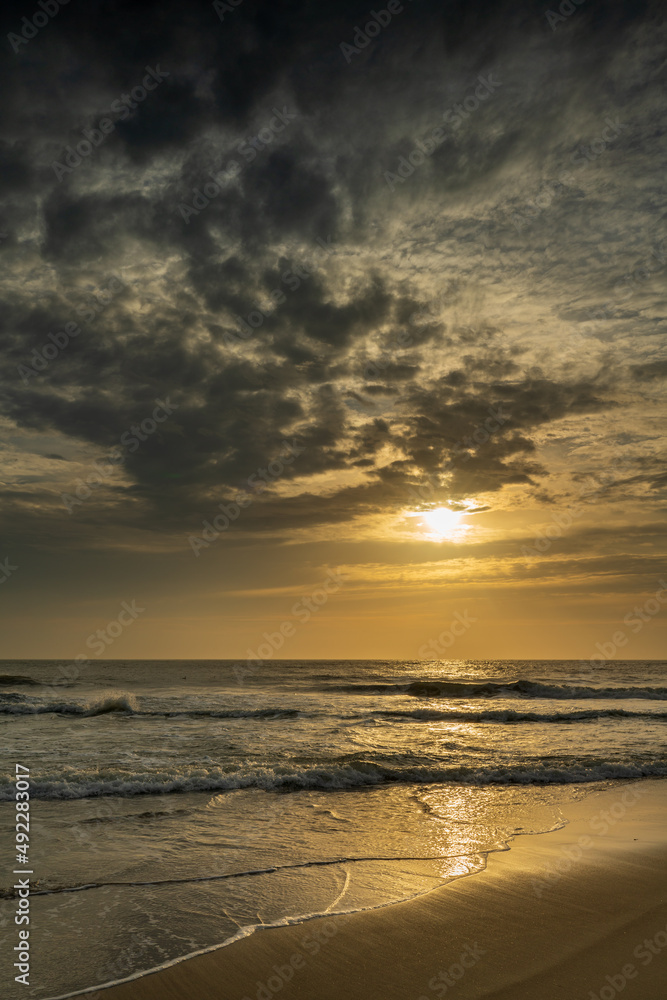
pixel 577 913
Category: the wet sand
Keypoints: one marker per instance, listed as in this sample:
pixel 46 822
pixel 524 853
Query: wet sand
pixel 577 913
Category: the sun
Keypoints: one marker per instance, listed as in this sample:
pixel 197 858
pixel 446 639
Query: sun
pixel 442 521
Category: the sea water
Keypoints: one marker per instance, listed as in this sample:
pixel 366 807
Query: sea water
pixel 179 805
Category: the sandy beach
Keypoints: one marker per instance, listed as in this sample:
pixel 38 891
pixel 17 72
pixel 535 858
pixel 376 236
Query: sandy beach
pixel 579 912
pixel 333 593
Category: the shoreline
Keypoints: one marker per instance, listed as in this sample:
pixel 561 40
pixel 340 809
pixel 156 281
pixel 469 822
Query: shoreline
pixel 571 904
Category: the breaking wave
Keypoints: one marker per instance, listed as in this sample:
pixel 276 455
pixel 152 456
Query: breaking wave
pixel 493 689
pixel 16 704
pixel 509 715
pixel 336 774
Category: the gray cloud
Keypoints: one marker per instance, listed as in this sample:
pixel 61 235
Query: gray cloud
pixel 499 304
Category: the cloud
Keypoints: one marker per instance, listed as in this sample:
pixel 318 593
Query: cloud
pixel 382 354
pixel 650 371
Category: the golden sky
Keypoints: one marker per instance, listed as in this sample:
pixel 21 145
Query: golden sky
pixel 391 318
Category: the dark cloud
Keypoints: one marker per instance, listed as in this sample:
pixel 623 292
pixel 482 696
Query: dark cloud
pixel 650 371
pixel 385 353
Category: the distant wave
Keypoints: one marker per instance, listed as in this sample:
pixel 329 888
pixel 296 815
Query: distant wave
pixel 13 703
pixel 493 689
pixel 336 774
pixel 509 715
pixel 16 679
pixel 21 705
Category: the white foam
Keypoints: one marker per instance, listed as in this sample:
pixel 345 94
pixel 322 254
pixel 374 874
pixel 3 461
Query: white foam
pixel 359 774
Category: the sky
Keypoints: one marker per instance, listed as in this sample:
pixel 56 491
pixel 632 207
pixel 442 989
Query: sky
pixel 331 333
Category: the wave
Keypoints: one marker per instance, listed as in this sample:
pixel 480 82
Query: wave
pixel 509 715
pixel 17 705
pixel 341 774
pixel 246 873
pixel 126 703
pixel 246 930
pixel 16 679
pixel 493 689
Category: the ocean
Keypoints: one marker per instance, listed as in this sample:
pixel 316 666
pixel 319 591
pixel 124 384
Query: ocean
pixel 179 805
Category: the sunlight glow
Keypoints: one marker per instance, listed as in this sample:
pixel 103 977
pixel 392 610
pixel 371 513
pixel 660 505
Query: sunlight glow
pixel 442 521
